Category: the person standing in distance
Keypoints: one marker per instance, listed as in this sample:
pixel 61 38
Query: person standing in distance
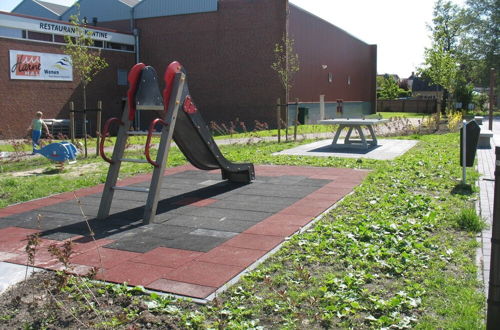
pixel 36 129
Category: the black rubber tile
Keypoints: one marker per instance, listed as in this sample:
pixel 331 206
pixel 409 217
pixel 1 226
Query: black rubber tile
pixel 236 226
pixel 59 236
pixel 248 206
pixel 284 179
pixel 279 191
pixel 284 201
pixel 194 243
pixel 138 243
pixel 313 182
pixel 229 214
pixel 166 231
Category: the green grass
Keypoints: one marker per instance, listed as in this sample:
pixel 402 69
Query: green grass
pixel 389 255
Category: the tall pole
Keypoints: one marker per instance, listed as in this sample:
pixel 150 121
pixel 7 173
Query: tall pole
pixel 492 96
pixel 98 132
pixel 493 316
pixel 72 121
pixel 278 117
pixel 464 153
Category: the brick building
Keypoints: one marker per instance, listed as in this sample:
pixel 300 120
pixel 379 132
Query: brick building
pixel 226 47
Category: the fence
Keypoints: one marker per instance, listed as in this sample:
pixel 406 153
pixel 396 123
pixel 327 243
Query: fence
pixel 418 106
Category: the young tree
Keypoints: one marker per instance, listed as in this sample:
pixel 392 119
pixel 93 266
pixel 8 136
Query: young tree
pixel 286 63
pixel 86 62
pixel 441 64
pixel 480 40
pixel 388 89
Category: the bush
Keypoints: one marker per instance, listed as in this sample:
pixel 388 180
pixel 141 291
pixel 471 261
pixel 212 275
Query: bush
pixel 468 220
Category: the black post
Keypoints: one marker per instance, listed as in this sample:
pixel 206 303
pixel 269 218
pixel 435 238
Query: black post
pixel 492 97
pixel 493 316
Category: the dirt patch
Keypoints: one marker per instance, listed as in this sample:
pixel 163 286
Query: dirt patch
pixel 38 304
pixel 69 171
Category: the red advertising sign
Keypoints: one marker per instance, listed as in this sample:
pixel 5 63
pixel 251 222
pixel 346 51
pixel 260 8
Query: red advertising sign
pixel 28 65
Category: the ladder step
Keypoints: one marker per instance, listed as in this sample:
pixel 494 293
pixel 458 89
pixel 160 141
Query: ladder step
pixel 136 189
pixel 149 107
pixel 132 160
pixel 142 133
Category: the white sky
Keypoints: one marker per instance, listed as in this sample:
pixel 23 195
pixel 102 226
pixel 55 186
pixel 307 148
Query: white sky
pixel 397 27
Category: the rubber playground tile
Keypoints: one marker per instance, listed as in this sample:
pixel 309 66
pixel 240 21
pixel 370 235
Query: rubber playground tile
pixel 248 206
pixel 166 257
pixel 232 256
pixel 195 201
pixel 254 241
pixel 182 288
pixel 197 222
pixel 195 242
pixel 289 219
pixel 103 258
pixel 205 273
pixel 190 250
pixel 127 272
pixel 307 210
pixel 272 229
pixel 213 212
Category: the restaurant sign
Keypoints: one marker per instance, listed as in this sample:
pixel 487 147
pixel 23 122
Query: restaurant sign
pixel 40 66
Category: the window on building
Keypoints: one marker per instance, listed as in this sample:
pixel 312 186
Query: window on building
pixel 114 45
pixel 59 39
pixel 122 77
pixel 11 33
pixel 39 36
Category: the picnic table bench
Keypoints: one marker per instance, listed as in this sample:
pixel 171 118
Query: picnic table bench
pixel 354 124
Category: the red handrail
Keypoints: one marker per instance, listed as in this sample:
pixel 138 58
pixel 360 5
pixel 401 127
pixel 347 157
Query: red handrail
pixel 148 140
pixel 133 79
pixel 105 133
pixel 169 76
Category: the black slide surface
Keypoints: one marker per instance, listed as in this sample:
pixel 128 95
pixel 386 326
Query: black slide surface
pixel 194 139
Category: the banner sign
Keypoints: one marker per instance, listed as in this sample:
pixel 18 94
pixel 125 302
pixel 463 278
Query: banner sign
pixel 40 66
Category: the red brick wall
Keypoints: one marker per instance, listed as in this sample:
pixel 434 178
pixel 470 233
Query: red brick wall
pixel 20 99
pixel 318 42
pixel 227 55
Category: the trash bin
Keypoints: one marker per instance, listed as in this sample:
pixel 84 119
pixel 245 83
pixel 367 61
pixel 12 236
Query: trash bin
pixel 303 116
pixel 472 131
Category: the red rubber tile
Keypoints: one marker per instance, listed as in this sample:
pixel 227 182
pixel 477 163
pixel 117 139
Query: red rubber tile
pixel 205 273
pixel 167 257
pixel 335 190
pixel 232 256
pixel 103 258
pixel 313 203
pixel 289 219
pixel 307 210
pixel 272 229
pixel 318 196
pixel 134 273
pixel 182 288
pixel 15 233
pixel 85 244
pixel 256 242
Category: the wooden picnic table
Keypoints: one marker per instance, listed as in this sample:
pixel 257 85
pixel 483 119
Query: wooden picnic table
pixel 354 124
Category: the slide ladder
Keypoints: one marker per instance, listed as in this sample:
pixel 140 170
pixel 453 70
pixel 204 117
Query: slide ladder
pixel 186 127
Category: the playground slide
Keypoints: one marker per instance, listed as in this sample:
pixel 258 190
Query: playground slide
pixel 190 131
pixel 196 142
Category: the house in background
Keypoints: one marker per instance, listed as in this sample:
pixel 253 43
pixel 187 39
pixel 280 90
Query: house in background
pixel 226 46
pixel 40 9
pixel 423 89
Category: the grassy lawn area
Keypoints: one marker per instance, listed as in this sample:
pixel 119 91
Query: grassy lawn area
pixel 391 255
pixel 402 114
